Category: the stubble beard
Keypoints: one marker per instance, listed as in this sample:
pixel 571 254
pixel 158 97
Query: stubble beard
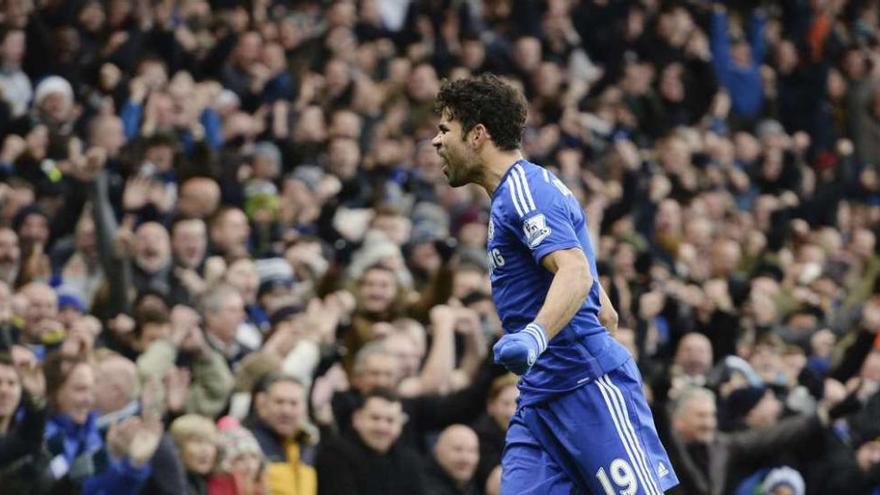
pixel 455 178
pixel 462 173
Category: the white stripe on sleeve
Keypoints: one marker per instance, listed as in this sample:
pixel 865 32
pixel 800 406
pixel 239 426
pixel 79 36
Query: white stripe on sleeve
pixel 519 192
pixel 525 183
pixel 510 187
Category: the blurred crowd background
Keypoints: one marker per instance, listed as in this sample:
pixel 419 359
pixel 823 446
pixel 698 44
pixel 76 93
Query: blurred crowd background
pixel 230 264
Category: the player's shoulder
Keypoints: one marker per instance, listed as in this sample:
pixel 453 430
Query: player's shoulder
pixel 528 188
pixel 515 198
pixel 540 181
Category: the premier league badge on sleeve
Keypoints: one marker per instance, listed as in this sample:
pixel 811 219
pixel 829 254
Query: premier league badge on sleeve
pixel 536 230
pixel 491 234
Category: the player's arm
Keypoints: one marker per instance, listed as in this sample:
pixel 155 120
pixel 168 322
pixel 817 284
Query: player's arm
pixel 571 284
pixel 607 314
pixel 542 216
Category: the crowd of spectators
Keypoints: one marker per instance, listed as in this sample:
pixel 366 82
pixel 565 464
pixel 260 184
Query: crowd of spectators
pixel 230 263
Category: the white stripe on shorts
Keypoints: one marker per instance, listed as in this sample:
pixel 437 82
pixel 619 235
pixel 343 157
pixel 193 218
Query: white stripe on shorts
pixel 629 432
pixel 606 394
pixel 628 424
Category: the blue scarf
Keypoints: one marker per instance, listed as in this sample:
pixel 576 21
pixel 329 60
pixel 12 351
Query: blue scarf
pixel 75 439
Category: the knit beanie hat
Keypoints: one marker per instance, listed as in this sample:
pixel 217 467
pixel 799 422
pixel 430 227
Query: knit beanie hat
pixel 50 85
pixel 234 442
pixel 784 476
pixel 738 405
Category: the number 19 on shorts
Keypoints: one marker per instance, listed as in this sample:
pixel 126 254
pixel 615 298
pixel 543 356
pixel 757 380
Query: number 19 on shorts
pixel 622 480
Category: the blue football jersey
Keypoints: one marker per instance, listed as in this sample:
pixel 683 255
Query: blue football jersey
pixel 533 214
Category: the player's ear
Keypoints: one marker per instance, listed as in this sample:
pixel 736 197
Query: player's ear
pixel 479 135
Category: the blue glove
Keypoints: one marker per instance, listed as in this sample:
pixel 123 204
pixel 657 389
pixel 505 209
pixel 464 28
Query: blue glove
pixel 519 351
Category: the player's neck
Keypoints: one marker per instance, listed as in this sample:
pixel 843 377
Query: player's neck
pixel 496 164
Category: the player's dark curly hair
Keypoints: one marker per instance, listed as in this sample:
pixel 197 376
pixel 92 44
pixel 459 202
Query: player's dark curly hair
pixel 489 101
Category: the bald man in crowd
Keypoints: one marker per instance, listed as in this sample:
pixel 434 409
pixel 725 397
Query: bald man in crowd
pixel 199 198
pixel 693 358
pixel 118 400
pixel 41 325
pixel 452 468
pixel 117 388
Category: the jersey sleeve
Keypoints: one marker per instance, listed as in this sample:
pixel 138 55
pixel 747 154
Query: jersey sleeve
pixel 540 213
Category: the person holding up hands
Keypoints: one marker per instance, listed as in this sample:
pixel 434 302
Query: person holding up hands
pixel 22 388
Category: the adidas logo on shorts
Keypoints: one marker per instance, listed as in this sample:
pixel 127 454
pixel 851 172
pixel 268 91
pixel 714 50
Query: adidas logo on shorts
pixel 662 470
